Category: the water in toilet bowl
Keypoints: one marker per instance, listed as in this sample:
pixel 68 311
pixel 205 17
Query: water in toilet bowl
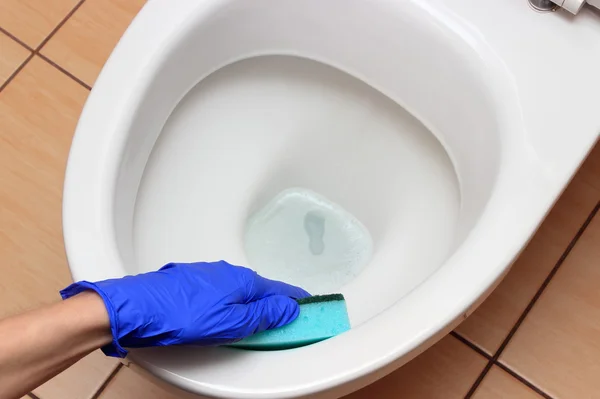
pixel 303 238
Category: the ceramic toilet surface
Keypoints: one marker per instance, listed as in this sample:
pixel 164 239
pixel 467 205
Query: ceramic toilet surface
pixel 422 142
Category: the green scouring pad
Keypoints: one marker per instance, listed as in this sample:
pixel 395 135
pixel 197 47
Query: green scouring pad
pixel 321 317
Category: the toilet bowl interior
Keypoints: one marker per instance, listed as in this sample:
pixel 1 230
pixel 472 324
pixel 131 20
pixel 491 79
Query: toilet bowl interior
pixel 264 125
pixel 383 139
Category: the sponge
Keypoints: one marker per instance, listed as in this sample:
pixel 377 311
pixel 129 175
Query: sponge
pixel 321 317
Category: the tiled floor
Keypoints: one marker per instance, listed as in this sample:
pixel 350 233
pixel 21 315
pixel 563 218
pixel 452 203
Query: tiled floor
pixel 536 336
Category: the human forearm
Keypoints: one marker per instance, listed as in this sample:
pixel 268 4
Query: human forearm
pixel 40 344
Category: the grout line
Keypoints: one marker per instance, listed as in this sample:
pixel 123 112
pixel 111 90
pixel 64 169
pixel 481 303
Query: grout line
pixel 479 379
pixel 60 25
pixel 107 381
pixel 16 39
pixel 36 51
pixel 552 273
pixel 63 70
pixel 12 75
pixel 538 294
pixel 524 381
pixel 471 345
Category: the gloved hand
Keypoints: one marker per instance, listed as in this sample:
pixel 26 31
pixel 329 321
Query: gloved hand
pixel 196 303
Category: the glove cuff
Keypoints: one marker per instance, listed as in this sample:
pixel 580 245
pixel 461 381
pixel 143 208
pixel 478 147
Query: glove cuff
pixel 113 349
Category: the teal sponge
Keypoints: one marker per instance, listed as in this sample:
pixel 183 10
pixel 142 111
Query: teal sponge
pixel 321 317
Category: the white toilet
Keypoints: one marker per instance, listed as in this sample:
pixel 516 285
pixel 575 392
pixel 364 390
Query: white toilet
pixel 446 128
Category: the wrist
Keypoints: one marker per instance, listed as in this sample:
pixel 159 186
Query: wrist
pixel 104 317
pixel 91 311
pixel 85 321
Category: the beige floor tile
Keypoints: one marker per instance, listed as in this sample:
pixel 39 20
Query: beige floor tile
pixel 39 109
pixel 447 370
pixel 32 20
pixel 498 384
pixel 489 325
pixel 12 55
pixel 129 384
pixel 84 43
pixel 557 347
pixel 80 381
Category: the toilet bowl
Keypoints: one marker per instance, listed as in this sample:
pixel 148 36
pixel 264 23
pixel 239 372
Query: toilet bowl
pixel 445 128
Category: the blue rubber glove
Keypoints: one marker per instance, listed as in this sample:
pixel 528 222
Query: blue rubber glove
pixel 195 303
